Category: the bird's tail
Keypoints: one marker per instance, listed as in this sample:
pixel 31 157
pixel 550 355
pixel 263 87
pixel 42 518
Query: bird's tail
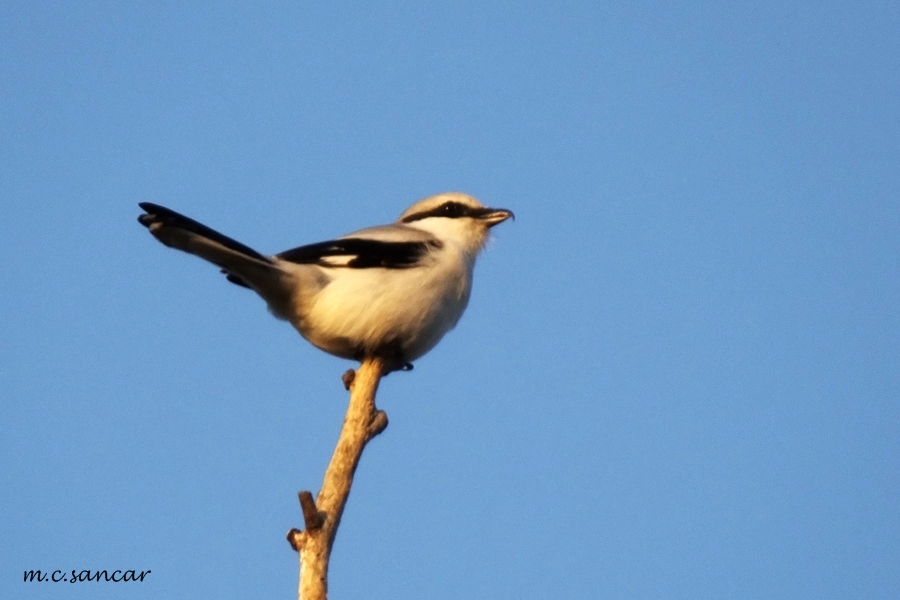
pixel 242 265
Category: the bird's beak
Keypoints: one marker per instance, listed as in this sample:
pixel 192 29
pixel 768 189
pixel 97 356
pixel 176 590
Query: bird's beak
pixel 493 216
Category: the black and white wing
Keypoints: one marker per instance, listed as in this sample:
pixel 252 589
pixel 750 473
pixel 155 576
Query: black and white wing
pixel 389 247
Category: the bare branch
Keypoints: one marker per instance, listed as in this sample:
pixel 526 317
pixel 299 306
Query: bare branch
pixel 362 422
pixel 295 539
pixel 347 378
pixel 378 424
pixel 311 516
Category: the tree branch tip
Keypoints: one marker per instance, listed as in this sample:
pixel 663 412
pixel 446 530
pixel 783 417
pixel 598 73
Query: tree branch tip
pixel 377 423
pixel 347 378
pixel 312 518
pixel 295 539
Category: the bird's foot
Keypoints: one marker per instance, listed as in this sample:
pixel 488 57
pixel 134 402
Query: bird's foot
pixel 390 367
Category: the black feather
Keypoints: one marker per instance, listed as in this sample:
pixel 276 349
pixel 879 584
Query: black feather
pixel 170 218
pixel 236 280
pixel 366 253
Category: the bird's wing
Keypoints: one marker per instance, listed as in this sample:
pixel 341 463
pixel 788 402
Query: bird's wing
pixel 388 247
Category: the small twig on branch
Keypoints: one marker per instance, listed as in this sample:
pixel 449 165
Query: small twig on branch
pixel 312 518
pixel 322 517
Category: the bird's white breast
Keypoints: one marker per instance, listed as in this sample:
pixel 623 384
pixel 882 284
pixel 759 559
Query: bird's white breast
pixel 361 309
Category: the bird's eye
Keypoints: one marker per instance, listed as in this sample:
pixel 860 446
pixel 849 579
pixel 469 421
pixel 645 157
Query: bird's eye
pixel 453 209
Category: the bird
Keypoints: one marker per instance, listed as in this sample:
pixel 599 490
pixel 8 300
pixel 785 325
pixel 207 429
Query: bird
pixel 390 292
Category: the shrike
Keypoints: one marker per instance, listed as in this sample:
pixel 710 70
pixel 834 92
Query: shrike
pixel 390 292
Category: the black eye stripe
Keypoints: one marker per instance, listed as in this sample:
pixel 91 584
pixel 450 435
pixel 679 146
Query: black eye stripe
pixel 451 210
pixel 454 209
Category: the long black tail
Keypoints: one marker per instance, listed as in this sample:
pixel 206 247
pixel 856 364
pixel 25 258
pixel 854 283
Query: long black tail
pixel 166 217
pixel 241 264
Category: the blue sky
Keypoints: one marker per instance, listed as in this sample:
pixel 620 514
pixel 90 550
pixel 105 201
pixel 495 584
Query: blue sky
pixel 678 374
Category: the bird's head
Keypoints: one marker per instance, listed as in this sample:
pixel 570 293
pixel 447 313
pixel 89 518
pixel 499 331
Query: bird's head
pixel 454 216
